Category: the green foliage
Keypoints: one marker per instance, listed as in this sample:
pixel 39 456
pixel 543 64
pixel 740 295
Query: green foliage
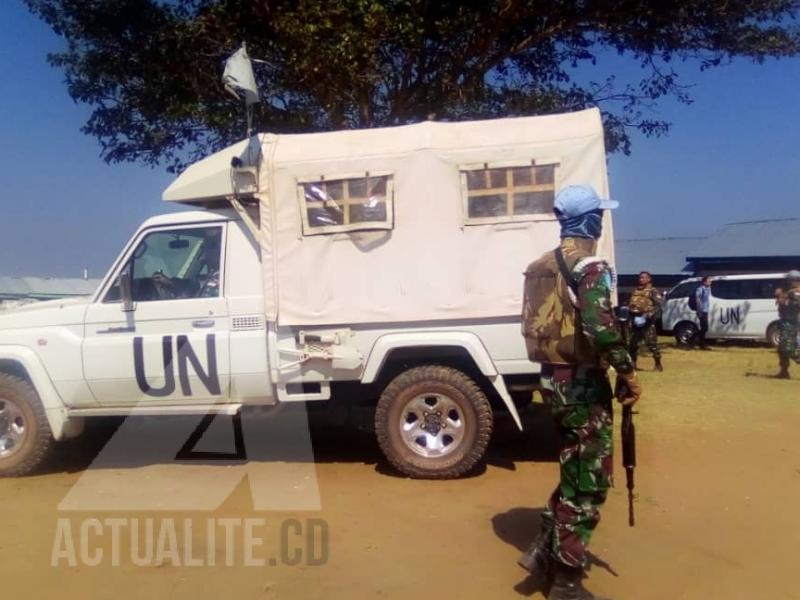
pixel 151 70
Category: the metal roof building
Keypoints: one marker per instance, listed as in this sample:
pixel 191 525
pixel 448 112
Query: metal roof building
pixel 664 258
pixel 660 256
pixel 40 288
pixel 749 247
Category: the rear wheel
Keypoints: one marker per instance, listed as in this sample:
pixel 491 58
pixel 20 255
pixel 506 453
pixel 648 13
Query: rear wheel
pixel 685 333
pixel 774 335
pixel 433 422
pixel 25 438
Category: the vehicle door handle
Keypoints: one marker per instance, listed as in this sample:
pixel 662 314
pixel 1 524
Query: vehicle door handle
pixel 204 324
pixel 117 330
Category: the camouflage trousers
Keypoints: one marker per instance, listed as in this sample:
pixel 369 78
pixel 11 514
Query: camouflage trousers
pixel 649 335
pixel 787 342
pixel 580 401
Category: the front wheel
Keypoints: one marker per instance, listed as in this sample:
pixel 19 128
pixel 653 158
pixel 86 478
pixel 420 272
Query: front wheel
pixel 25 438
pixel 686 333
pixel 433 422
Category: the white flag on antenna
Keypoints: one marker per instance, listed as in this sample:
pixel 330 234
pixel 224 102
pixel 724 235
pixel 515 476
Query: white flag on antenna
pixel 238 76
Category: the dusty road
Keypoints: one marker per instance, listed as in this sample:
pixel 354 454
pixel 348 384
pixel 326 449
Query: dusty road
pixel 718 481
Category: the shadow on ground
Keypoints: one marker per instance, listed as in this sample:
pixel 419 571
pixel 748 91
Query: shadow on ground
pixel 294 439
pixel 519 527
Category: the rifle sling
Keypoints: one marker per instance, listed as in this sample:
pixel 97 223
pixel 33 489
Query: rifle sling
pixel 565 272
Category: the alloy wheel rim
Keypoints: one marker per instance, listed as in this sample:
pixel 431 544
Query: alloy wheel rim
pixel 432 425
pixel 12 428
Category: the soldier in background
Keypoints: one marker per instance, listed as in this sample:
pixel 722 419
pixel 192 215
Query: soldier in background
pixel 570 329
pixel 645 308
pixel 789 313
pixel 702 295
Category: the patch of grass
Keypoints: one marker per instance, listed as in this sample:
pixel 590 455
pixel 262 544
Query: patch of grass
pixel 728 386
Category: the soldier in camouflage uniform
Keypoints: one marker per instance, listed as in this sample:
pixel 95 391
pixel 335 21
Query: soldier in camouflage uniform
pixel 645 307
pixel 569 328
pixel 789 325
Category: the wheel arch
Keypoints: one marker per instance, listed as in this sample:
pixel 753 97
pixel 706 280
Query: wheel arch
pixel 22 362
pixel 393 350
pixel 16 368
pixel 685 323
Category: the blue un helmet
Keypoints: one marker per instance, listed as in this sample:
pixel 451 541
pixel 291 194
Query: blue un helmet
pixel 580 211
pixel 576 200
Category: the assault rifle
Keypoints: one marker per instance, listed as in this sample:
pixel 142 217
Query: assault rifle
pixel 629 455
pixel 628 430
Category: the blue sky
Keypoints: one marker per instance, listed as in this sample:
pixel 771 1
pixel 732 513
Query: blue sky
pixel 733 155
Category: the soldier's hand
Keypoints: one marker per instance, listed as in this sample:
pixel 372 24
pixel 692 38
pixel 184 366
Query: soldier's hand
pixel 629 390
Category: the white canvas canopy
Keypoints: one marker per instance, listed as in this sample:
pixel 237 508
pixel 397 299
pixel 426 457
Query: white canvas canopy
pixel 432 259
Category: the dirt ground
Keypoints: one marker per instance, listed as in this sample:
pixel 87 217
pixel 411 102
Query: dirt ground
pixel 717 483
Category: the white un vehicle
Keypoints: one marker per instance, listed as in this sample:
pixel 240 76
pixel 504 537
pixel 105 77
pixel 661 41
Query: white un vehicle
pixel 381 269
pixel 742 307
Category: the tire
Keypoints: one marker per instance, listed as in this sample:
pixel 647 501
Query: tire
pixel 773 335
pixel 685 333
pixel 25 437
pixel 433 422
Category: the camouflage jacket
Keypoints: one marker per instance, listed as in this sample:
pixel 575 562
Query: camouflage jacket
pixel 563 329
pixel 789 306
pixel 645 300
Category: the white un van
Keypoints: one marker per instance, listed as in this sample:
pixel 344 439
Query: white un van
pixel 379 268
pixel 742 307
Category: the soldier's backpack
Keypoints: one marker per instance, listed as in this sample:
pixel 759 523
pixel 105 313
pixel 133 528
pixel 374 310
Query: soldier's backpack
pixel 550 318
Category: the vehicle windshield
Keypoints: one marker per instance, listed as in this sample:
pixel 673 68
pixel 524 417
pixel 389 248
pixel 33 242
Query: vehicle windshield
pixel 174 264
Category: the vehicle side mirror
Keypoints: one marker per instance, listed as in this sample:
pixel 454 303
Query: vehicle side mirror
pixel 125 290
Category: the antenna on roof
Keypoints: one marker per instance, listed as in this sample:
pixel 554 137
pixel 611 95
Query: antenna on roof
pixel 239 80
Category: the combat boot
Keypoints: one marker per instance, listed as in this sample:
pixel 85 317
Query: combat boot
pixel 659 367
pixel 537 559
pixel 567 585
pixel 784 372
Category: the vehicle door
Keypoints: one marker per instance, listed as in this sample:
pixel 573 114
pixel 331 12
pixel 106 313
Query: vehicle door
pixel 172 344
pixel 730 305
pixel 676 306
